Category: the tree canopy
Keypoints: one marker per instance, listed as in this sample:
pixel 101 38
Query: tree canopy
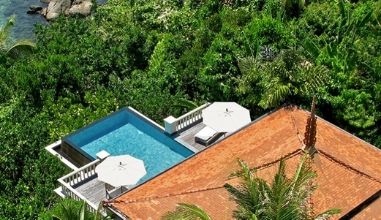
pixel 153 55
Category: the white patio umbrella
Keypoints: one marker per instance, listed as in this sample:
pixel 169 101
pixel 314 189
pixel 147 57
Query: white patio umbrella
pixel 121 170
pixel 225 116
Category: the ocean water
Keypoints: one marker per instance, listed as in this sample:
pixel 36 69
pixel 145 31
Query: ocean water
pixel 24 26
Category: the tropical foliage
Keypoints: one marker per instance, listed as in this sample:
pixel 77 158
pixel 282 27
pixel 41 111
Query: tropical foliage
pixel 151 54
pixel 285 198
pixel 187 212
pixel 68 209
pixel 286 76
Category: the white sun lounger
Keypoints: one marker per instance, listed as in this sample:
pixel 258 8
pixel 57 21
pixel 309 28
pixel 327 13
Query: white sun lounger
pixel 206 136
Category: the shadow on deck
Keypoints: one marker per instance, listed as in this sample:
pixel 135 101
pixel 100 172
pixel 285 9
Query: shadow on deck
pixel 187 137
pixel 92 189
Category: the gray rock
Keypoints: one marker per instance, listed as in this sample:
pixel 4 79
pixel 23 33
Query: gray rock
pixel 34 9
pixel 66 7
pixel 82 7
pixel 77 2
pixel 44 11
pixel 56 7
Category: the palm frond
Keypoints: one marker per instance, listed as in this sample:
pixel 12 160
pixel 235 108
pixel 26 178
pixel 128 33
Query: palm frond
pixel 275 94
pixel 311 49
pixel 303 174
pixel 82 214
pixel 327 214
pixel 247 64
pixel 187 212
pixel 185 103
pixel 21 46
pixel 5 29
pixel 7 45
pixel 285 198
pixel 68 211
pixel 315 77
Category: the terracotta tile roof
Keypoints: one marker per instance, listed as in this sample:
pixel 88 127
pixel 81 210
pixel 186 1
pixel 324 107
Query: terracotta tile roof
pixel 371 212
pixel 349 169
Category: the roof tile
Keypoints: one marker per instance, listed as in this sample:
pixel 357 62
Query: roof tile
pixel 348 169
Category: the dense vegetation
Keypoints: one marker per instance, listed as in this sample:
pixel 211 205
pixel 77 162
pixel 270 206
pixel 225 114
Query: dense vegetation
pixel 152 55
pixel 68 209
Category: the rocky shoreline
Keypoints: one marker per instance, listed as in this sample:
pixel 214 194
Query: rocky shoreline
pixel 67 7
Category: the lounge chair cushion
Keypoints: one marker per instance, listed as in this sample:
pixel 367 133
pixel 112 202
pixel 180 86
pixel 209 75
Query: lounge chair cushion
pixel 206 135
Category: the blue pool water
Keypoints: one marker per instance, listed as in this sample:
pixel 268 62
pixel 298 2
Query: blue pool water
pixel 125 132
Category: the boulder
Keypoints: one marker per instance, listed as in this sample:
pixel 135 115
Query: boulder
pixel 66 7
pixel 34 9
pixel 56 7
pixel 82 7
pixel 44 11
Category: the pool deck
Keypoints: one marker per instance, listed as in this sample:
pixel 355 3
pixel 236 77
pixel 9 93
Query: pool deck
pixel 93 190
pixel 186 137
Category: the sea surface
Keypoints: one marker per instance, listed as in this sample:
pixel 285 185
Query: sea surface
pixel 24 26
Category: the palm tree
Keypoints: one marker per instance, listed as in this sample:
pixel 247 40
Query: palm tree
pixel 69 209
pixel 283 76
pixel 187 212
pixel 285 198
pixel 9 47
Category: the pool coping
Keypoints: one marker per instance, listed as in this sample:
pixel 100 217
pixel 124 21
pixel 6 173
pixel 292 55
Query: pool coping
pixel 186 145
pixel 50 149
pixel 129 109
pixel 144 117
pixel 78 149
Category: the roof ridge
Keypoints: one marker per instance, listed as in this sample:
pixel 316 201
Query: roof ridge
pixel 263 166
pixel 347 166
pixel 295 127
pixel 144 199
pixel 286 156
pixel 341 129
pixel 334 159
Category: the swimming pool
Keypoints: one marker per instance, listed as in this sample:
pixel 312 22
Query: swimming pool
pixel 127 132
